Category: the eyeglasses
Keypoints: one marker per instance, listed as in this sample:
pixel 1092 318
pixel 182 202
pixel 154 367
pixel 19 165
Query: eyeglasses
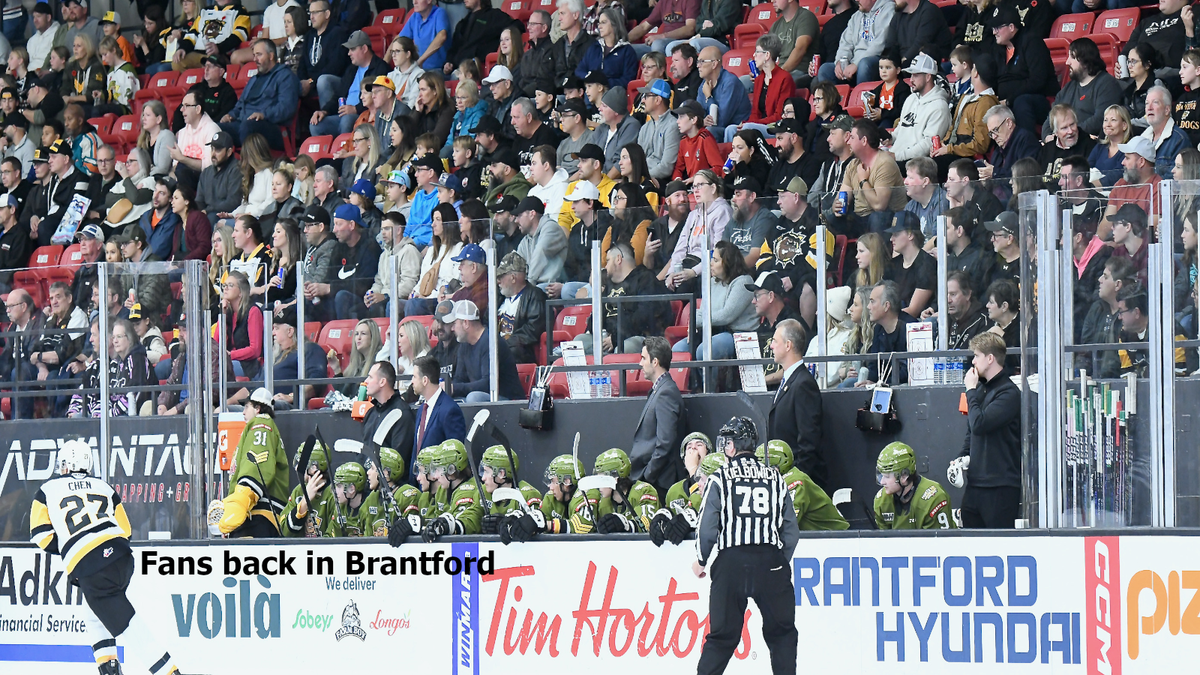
pixel 191 105
pixel 14 304
pixel 360 140
pixel 709 61
pixel 697 185
pixel 818 98
pixel 317 11
pixel 994 132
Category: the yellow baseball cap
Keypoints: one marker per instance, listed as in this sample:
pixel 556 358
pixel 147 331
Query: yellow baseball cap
pixel 384 81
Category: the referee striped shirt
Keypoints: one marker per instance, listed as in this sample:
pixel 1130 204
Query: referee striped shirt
pixel 746 503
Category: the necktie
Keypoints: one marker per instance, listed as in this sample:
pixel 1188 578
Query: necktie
pixel 421 430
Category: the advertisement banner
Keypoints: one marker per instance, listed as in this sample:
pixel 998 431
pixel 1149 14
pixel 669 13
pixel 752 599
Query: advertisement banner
pixel 864 605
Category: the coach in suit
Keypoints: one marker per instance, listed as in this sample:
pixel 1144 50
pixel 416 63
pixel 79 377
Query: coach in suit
pixel 795 416
pixel 655 457
pixel 439 418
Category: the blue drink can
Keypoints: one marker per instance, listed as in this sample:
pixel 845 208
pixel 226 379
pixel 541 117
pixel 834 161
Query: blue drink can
pixel 845 198
pixel 753 69
pixel 728 165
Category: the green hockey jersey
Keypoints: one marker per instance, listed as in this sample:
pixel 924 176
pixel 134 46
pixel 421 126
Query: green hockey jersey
pixel 352 522
pixel 462 503
pixel 261 464
pixel 685 495
pixel 814 508
pixel 381 515
pixel 425 504
pixel 642 505
pixel 532 497
pixel 315 521
pixel 928 510
pixel 573 518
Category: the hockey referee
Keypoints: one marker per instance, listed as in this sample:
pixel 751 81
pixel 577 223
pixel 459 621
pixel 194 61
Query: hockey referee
pixel 747 516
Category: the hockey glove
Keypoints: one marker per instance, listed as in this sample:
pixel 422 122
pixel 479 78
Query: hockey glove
pixel 678 530
pixel 614 523
pixel 658 526
pixel 403 528
pixel 216 511
pixel 491 523
pixel 957 473
pixel 237 507
pixel 441 526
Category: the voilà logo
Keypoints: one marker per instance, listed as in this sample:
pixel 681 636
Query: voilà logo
pixel 351 624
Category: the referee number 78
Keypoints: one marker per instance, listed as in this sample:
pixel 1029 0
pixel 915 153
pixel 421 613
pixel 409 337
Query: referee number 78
pixel 759 496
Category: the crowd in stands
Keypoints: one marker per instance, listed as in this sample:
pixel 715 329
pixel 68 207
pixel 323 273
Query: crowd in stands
pixel 379 152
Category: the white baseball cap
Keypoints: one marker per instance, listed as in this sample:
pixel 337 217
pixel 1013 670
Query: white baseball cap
pixel 1139 145
pixel 498 73
pixel 583 190
pixel 466 310
pixel 922 63
pixel 262 396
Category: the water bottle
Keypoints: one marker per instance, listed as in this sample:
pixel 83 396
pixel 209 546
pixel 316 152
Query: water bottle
pixel 593 387
pixel 939 371
pixel 606 385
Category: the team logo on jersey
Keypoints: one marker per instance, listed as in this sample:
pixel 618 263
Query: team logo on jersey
pixel 351 624
pixel 108 551
pixel 929 493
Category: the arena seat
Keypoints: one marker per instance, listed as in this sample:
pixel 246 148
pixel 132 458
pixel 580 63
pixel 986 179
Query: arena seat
pixel 853 102
pixel 817 7
pixel 312 330
pixel 572 321
pixel 1120 23
pixel 1072 26
pixel 737 61
pixel 391 21
pixel 190 77
pixel 43 267
pixel 840 244
pixel 746 34
pixel 762 14
pixel 71 258
pixel 126 130
pixel 384 324
pixel 518 9
pixel 631 90
pixel 822 19
pixel 635 382
pixel 491 60
pixel 526 372
pixel 338 335
pixel 317 147
pixel 341 142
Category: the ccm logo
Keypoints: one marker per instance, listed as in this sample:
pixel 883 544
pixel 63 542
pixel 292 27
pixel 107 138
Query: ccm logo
pixel 1104 605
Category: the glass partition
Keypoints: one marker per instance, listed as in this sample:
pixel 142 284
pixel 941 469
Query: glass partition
pixel 1179 270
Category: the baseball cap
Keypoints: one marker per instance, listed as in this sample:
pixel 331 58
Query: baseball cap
pixel 841 123
pixel 110 17
pixel 530 204
pixel 690 107
pixel 767 281
pixel 43 8
pixel 357 39
pixel 400 178
pixel 42 154
pixel 1129 213
pixel 571 82
pixel 81 3
pixel 471 253
pixel 545 84
pixel 657 87
pixel 262 397
pixel 9 201
pixel 588 151
pixel 487 125
pixel 316 214
pixel 384 81
pixel 673 187
pixel 503 203
pixel 596 77
pixel 17 121
pixel 217 60
pixel 513 262
pixel 221 141
pixel 450 182
pixel 1139 145
pixel 747 183
pixel 91 231
pixel 444 312
pixel 922 63
pixel 583 190
pixel 787 126
pixel 497 74
pixel 132 233
pixel 506 156
pixel 465 309
pixel 429 161
pixel 617 99
pixel 1006 221
pixel 364 187
pixel 573 106
pixel 904 220
pixel 135 312
pixel 32 81
pixel 60 147
pixel 349 212
pixel 287 316
pixel 1004 15
pixel 797 186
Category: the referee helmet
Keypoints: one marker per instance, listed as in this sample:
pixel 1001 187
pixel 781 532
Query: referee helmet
pixel 741 432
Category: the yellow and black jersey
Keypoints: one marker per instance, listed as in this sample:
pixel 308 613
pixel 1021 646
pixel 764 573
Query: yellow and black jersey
pixel 75 515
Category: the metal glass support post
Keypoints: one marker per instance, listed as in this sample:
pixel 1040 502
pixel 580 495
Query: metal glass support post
pixel 223 392
pixel 199 379
pixel 301 338
pixel 1047 452
pixel 493 337
pixel 943 320
pixel 597 318
pixel 1160 266
pixel 705 294
pixel 104 441
pixel 394 309
pixel 822 324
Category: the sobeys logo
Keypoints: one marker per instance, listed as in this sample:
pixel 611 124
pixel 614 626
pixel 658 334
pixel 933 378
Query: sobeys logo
pixel 306 620
pixel 351 625
pixel 232 610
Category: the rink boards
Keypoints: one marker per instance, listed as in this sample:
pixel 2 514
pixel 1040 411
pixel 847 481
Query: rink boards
pixel 915 604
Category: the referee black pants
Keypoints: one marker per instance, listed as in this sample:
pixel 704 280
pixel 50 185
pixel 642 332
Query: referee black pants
pixel 991 507
pixel 762 573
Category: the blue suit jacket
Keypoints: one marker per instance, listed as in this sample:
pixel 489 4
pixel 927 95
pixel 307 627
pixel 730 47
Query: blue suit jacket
pixel 446 422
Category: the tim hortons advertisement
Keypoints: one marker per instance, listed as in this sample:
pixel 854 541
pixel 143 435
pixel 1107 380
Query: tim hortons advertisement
pixel 874 605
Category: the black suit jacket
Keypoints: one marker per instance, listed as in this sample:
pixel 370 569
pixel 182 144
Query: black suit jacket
pixel 529 325
pixel 655 456
pixel 400 438
pixel 795 418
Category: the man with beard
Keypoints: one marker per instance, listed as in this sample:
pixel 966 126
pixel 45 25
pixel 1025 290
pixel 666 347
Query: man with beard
pixel 1065 142
pixel 683 70
pixel 17 143
pixel 962 253
pixel 1090 90
pixel 965 316
pixel 446 350
pixel 1027 77
pixel 750 222
pixel 543 247
pixel 522 316
pixel 1138 184
pixel 790 249
pixel 833 170
pixel 665 230
pixel 793 160
pixel 65 182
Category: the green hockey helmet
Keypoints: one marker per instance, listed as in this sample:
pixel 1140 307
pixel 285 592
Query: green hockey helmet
pixel 451 456
pixel 351 473
pixel 318 457
pixel 712 462
pixel 613 462
pixel 896 458
pixel 564 468
pixel 393 463
pixel 496 457
pixel 695 436
pixel 424 457
pixel 776 453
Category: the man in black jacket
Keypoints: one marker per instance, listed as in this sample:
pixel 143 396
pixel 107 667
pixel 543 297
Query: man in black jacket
pixel 66 182
pixel 338 114
pixel 795 415
pixel 25 320
pixel 1027 78
pixel 322 54
pixel 891 334
pixel 522 317
pixel 15 246
pixel 636 320
pixel 537 63
pixel 918 26
pixel 991 452
pixel 402 426
pixel 359 256
pixel 477 35
pixel 574 43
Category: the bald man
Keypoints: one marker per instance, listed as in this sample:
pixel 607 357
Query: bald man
pixel 721 88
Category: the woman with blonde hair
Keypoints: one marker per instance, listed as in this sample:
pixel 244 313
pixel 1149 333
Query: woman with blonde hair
pixel 364 158
pixel 287 249
pixel 433 113
pixel 256 178
pixel 84 76
pixel 874 253
pixel 223 252
pixel 1106 157
pixel 156 137
pixel 413 344
pixel 365 345
pixel 306 170
pixel 470 110
pixel 859 342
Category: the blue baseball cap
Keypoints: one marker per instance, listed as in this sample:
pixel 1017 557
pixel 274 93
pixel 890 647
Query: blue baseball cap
pixel 450 182
pixel 658 88
pixel 471 253
pixel 364 187
pixel 349 212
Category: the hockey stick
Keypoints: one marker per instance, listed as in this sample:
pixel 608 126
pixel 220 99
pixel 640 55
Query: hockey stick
pixel 579 480
pixel 481 419
pixel 302 460
pixel 755 414
pixel 337 508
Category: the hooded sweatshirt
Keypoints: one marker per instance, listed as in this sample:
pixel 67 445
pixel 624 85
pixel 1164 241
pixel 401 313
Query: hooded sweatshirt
pixel 865 33
pixel 410 269
pixel 552 193
pixel 921 118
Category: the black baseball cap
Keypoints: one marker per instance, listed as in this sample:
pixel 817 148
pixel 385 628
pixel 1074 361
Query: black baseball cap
pixel 904 220
pixel 503 203
pixel 573 106
pixel 221 141
pixel 747 183
pixel 1007 221
pixel 673 187
pixel 506 156
pixel 690 107
pixel 217 60
pixel 1004 15
pixel 787 126
pixel 429 161
pixel 61 147
pixel 767 281
pixel 596 77
pixel 571 82
pixel 316 214
pixel 588 151
pixel 530 204
pixel 487 125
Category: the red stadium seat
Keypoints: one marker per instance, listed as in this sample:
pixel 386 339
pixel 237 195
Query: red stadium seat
pixel 256 31
pixel 840 244
pixel 379 40
pixel 518 9
pixel 43 267
pixel 762 14
pixel 822 19
pixel 746 34
pixel 391 21
pixel 71 258
pixel 1110 49
pixel 631 90
pixel 103 124
pixel 526 372
pixel 1120 23
pixel 242 78
pixel 341 142
pixel 338 336
pixel 35 288
pixel 635 381
pixel 817 7
pixel 853 102
pixel 737 61
pixel 1072 26
pixel 491 60
pixel 126 130
pixel 312 330
pixel 384 324
pixel 317 147
pixel 190 77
